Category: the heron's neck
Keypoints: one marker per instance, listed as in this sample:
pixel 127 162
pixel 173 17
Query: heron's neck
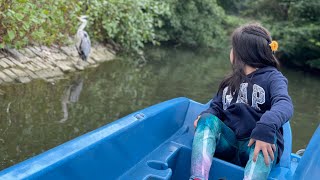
pixel 83 25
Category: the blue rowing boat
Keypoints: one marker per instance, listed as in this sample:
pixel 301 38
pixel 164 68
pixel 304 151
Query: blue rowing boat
pixel 151 144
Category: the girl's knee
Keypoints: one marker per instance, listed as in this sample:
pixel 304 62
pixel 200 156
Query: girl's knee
pixel 209 120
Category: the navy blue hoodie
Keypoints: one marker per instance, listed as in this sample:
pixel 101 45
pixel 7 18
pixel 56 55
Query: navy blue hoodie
pixel 262 106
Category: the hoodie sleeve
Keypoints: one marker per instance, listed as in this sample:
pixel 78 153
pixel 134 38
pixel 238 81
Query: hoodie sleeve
pixel 215 106
pixel 280 112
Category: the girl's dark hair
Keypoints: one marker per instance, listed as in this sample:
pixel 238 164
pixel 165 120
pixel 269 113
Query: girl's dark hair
pixel 250 46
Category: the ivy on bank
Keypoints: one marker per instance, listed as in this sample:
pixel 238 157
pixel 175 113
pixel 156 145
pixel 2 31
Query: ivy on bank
pixel 37 21
pixel 130 23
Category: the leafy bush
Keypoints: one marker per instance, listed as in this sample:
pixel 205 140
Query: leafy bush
pixel 194 22
pixel 131 23
pixel 38 21
pixel 302 35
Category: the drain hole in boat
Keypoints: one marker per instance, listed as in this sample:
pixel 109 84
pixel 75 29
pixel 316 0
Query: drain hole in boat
pixel 139 116
pixel 154 178
pixel 157 165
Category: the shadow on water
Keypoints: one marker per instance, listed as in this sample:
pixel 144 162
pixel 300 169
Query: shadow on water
pixel 40 115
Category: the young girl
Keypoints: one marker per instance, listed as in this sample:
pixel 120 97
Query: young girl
pixel 243 124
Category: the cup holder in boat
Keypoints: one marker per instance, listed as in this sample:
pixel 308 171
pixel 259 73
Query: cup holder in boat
pixel 157 165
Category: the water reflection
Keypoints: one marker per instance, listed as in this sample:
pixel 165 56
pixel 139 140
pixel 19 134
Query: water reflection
pixel 71 95
pixel 8 120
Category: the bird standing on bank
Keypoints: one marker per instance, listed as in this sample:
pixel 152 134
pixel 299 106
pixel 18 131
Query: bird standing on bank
pixel 83 43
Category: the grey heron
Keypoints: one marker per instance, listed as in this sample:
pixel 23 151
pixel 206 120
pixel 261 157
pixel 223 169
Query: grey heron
pixel 83 43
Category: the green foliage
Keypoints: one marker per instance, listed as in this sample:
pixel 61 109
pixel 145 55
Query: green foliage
pixel 231 6
pixel 131 23
pixel 266 9
pixel 44 21
pixel 194 22
pixel 305 11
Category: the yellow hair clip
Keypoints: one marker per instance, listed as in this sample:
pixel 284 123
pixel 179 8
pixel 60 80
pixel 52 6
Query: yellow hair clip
pixel 274 45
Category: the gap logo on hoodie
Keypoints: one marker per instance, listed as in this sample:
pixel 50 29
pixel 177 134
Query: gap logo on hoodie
pixel 258 96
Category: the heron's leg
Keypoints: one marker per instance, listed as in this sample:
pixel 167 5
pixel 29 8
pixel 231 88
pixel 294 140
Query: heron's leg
pixel 204 145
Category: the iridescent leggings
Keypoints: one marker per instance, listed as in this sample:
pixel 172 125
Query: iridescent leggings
pixel 213 137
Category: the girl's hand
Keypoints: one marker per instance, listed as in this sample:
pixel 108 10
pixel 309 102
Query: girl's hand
pixel 266 148
pixel 195 123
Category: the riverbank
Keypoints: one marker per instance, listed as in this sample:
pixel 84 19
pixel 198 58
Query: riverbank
pixel 48 63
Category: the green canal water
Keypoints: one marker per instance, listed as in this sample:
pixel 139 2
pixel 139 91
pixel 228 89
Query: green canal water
pixel 40 115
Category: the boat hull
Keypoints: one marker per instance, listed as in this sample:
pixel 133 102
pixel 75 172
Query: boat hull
pixel 153 143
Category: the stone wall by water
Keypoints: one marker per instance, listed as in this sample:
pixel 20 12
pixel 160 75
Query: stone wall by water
pixel 41 62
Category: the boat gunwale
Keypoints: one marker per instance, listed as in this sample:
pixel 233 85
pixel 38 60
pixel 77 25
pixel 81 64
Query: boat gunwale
pixel 55 156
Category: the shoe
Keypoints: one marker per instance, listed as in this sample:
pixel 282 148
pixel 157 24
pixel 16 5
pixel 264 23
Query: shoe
pixel 196 178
